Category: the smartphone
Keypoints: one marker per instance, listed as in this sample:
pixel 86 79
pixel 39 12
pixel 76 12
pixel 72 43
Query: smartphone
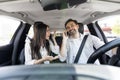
pixel 68 34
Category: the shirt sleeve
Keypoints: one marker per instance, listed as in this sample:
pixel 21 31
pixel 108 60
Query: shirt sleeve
pixel 63 58
pixel 98 43
pixel 28 57
pixel 54 48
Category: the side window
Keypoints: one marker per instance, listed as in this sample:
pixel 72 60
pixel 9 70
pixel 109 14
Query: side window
pixel 8 26
pixel 110 26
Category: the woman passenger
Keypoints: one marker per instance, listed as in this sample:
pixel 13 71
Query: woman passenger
pixel 39 49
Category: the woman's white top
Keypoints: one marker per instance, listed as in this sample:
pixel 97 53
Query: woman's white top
pixel 43 51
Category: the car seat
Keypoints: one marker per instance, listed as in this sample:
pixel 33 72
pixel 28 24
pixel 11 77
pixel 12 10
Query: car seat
pixel 81 28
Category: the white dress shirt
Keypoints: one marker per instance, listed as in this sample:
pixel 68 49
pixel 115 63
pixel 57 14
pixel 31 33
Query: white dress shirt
pixel 43 51
pixel 73 47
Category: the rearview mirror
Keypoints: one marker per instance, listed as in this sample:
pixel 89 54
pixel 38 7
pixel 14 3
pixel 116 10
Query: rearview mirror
pixel 59 4
pixel 53 4
pixel 75 2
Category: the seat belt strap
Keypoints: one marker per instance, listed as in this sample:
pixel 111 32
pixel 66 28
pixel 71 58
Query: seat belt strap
pixel 80 49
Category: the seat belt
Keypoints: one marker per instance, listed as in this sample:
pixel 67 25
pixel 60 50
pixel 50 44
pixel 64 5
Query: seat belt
pixel 80 49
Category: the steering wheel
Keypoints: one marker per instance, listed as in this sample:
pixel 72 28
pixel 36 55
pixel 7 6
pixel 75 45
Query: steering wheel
pixel 100 51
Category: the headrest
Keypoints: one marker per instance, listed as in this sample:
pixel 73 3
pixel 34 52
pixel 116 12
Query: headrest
pixel 81 28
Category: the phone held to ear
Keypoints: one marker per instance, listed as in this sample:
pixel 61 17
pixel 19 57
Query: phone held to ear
pixel 66 33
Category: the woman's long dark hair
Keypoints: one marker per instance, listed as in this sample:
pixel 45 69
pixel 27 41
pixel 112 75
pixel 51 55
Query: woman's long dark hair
pixel 39 39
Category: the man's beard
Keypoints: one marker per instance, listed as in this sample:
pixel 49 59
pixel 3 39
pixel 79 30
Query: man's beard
pixel 72 32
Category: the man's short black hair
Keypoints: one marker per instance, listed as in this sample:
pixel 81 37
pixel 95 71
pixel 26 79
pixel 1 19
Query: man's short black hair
pixel 75 21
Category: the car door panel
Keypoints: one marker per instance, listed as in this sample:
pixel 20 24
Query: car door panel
pixel 5 54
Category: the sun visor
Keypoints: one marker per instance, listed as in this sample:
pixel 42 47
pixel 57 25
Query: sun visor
pixel 53 4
